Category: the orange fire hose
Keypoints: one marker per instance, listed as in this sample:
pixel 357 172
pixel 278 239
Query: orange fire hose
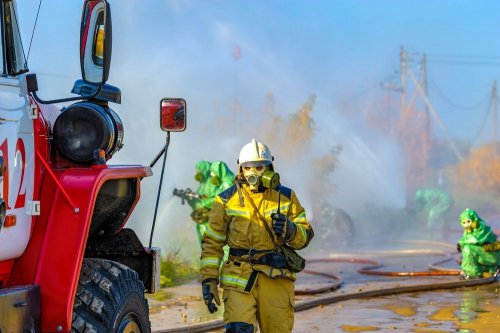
pixel 337 280
pixel 435 270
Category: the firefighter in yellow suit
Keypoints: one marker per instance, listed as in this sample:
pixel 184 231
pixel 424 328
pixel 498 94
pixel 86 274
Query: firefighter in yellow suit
pixel 258 286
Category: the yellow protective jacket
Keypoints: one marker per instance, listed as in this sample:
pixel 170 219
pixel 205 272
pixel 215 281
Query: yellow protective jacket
pixel 234 221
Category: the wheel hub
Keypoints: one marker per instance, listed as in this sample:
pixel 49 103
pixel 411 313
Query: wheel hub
pixel 129 325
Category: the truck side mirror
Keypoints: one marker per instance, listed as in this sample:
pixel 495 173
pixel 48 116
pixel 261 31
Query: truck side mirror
pixel 173 114
pixel 95 41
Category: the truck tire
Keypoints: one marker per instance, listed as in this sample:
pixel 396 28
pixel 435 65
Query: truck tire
pixel 109 298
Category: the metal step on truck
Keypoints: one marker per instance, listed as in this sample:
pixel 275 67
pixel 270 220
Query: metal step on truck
pixel 67 262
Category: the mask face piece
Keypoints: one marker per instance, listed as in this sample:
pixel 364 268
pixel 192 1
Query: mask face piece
pixel 198 176
pixel 253 175
pixel 215 180
pixel 468 225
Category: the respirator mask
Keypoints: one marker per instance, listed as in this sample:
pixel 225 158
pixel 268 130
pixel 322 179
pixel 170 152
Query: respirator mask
pixel 215 180
pixel 468 225
pixel 258 173
pixel 198 176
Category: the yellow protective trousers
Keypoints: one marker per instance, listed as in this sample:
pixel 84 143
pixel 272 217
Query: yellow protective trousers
pixel 270 304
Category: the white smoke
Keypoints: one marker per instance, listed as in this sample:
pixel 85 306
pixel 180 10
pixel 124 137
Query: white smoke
pixel 161 50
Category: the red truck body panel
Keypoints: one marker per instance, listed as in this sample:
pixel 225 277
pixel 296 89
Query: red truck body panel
pixel 54 255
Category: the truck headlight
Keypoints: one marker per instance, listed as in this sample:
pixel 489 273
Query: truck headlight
pixel 84 127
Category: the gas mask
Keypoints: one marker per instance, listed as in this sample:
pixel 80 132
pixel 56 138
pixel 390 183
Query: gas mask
pixel 253 175
pixel 215 180
pixel 198 176
pixel 260 175
pixel 468 225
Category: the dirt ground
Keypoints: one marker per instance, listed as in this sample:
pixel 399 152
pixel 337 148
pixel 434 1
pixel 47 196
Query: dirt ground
pixel 465 310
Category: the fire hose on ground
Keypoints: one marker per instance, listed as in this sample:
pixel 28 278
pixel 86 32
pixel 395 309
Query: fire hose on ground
pixel 353 258
pixel 369 268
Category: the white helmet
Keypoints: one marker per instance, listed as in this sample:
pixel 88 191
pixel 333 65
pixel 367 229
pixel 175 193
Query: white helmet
pixel 255 151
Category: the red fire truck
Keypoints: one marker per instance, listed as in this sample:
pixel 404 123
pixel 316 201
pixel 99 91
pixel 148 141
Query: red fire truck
pixel 67 262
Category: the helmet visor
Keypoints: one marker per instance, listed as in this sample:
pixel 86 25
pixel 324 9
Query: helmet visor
pixel 254 164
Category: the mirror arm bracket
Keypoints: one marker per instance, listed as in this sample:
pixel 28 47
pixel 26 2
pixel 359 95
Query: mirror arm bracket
pixel 33 87
pixel 163 151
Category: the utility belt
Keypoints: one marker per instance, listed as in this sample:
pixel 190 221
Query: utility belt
pixel 259 257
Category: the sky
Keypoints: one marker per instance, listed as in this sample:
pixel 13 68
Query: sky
pixel 339 51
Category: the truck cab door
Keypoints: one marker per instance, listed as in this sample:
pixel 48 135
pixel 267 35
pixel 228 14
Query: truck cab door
pixel 16 139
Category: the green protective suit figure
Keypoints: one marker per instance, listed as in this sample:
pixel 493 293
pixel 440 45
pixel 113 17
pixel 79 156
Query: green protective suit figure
pixel 479 246
pixel 207 192
pixel 222 177
pixel 437 203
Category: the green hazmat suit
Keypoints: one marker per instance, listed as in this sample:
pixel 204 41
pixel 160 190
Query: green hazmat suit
pixel 434 201
pixel 221 176
pixel 207 191
pixel 476 261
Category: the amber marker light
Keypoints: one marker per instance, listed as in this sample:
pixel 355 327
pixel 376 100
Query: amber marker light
pixel 10 221
pixel 100 156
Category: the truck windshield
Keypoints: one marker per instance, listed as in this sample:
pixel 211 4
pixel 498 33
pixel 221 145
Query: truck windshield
pixel 15 61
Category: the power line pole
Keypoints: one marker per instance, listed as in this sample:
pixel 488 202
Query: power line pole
pixel 423 75
pixel 423 80
pixel 402 56
pixel 494 102
pixel 436 116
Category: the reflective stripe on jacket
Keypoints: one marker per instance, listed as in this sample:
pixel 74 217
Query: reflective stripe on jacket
pixel 242 228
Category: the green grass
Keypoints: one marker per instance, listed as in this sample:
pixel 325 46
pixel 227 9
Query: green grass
pixel 160 296
pixel 176 270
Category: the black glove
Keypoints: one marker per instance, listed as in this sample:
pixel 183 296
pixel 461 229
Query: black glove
pixel 283 227
pixel 210 293
pixel 459 248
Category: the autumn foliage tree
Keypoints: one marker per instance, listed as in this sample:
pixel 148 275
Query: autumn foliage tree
pixel 480 172
pixel 293 136
pixel 300 127
pixel 289 136
pixel 321 184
